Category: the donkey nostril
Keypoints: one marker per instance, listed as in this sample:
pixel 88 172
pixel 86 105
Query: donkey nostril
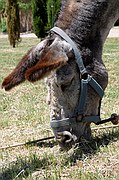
pixel 67 139
pixel 64 137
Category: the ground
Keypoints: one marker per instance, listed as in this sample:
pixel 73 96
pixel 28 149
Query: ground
pixel 24 116
pixel 114 33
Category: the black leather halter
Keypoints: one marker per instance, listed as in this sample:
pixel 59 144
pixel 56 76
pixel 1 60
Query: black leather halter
pixel 89 81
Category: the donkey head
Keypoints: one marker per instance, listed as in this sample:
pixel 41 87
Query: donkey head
pixel 55 54
pixel 88 23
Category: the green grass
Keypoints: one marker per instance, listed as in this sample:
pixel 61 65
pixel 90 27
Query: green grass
pixel 111 59
pixel 24 116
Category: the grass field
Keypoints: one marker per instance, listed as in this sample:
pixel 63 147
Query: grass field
pixel 24 116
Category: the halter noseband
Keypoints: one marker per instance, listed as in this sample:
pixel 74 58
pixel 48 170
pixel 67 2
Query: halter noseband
pixel 57 124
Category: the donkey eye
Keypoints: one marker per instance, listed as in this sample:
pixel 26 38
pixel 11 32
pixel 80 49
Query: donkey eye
pixel 50 41
pixel 66 85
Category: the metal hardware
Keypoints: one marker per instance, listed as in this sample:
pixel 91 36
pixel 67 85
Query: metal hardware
pixel 114 119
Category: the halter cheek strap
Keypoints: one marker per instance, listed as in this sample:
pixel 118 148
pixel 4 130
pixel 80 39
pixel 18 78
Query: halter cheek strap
pixel 78 57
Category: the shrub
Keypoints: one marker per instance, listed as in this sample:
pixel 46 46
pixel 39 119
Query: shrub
pixel 39 17
pixel 3 25
pixel 52 11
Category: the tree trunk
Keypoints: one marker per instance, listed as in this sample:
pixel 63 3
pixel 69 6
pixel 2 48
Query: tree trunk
pixel 13 22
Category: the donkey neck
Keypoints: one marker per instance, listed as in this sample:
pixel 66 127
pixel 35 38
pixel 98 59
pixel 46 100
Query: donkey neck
pixel 88 22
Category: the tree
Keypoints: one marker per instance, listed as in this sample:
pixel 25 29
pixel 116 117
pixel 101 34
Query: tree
pixel 3 16
pixel 44 14
pixel 25 13
pixel 13 22
pixel 52 11
pixel 39 17
pixel 2 4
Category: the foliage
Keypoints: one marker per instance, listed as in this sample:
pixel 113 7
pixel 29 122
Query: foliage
pixel 13 22
pixel 52 11
pixel 2 4
pixel 3 25
pixel 43 19
pixel 44 13
pixel 24 6
pixel 39 17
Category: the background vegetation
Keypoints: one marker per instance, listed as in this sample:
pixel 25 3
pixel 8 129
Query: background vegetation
pixel 39 17
pixel 24 116
pixel 44 13
pixel 13 22
pixel 3 26
pixel 52 11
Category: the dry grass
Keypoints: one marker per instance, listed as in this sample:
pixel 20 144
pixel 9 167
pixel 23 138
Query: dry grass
pixel 24 115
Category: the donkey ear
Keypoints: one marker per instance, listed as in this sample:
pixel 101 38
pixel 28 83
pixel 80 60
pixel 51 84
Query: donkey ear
pixel 17 75
pixel 53 59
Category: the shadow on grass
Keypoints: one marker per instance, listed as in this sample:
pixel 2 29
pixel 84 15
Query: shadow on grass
pixel 45 144
pixel 24 167
pixel 89 148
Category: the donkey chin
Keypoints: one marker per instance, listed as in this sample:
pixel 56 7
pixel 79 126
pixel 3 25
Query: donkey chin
pixel 67 138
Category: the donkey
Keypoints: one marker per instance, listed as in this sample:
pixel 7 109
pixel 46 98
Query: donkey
pixel 71 57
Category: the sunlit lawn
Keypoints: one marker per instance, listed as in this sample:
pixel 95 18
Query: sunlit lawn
pixel 24 116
